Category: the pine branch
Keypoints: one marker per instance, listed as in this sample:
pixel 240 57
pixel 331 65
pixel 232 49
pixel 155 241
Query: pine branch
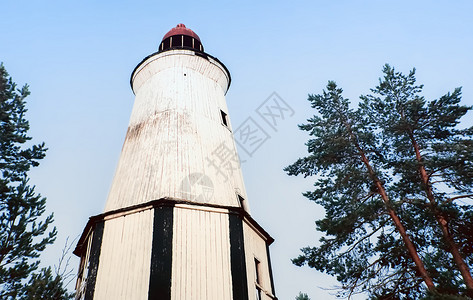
pixel 460 197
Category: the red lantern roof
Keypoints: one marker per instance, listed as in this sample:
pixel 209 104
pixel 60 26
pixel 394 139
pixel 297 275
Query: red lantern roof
pixel 181 29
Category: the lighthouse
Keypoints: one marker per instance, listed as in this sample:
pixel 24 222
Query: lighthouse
pixel 177 222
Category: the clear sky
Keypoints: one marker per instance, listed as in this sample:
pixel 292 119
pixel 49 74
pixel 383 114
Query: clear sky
pixel 77 57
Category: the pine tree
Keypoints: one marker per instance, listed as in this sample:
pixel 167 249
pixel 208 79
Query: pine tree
pixel 431 156
pixel 302 296
pixel 357 206
pixel 24 231
pixel 377 240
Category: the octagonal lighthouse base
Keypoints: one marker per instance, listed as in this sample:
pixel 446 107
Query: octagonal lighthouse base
pixel 175 249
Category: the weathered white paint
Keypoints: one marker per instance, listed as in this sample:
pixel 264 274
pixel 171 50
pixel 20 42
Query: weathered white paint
pixel 176 130
pixel 124 263
pixel 201 255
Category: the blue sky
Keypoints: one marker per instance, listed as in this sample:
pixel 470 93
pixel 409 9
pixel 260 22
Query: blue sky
pixel 77 58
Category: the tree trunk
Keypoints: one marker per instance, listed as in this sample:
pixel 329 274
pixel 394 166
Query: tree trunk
pixel 397 222
pixel 462 266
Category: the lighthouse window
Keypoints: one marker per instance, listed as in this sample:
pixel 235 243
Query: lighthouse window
pixel 257 271
pixel 258 279
pixel 176 41
pixel 83 269
pixel 258 293
pixel 166 44
pixel 224 118
pixel 187 41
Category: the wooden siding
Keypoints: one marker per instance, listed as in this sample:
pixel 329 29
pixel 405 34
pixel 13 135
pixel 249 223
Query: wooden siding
pixel 175 132
pixel 201 254
pixel 125 257
pixel 255 247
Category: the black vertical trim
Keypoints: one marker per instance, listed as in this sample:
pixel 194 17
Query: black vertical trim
pixel 161 254
pixel 94 260
pixel 270 270
pixel 237 258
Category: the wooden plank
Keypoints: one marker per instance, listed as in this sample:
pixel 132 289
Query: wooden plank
pixel 125 257
pixel 203 263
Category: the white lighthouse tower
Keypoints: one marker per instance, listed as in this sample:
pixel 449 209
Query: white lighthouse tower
pixel 176 223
